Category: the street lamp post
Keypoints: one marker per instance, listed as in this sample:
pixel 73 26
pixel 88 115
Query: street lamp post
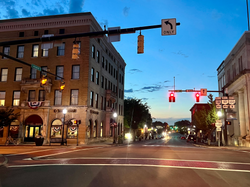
pixel 219 132
pixel 114 115
pixel 64 112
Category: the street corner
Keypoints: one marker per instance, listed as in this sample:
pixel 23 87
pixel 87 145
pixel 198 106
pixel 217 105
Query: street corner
pixel 3 160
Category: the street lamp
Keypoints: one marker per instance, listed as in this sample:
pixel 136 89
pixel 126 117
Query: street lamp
pixel 114 115
pixel 64 112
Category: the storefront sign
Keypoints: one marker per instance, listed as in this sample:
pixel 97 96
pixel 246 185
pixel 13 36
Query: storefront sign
pixel 94 112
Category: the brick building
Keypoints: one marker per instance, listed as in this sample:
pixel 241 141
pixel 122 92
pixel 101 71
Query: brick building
pixel 94 83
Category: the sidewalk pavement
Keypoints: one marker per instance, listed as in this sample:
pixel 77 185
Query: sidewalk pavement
pixel 230 147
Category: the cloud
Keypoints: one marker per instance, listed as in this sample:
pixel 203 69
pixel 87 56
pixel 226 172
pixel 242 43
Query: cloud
pixel 132 71
pixel 36 2
pixel 151 88
pixel 181 54
pixel 54 11
pixel 144 99
pixel 25 13
pixel 75 6
pixel 10 9
pixel 125 11
pixel 129 91
pixel 166 81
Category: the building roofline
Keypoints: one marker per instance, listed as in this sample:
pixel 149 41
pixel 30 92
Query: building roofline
pixel 197 104
pixel 46 17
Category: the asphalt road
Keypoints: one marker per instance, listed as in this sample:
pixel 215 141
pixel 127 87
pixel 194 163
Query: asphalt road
pixel 163 162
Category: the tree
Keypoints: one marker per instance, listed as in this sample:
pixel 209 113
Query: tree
pixel 7 116
pixel 182 126
pixel 136 114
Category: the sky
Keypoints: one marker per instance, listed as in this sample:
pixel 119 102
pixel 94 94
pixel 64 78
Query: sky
pixel 207 33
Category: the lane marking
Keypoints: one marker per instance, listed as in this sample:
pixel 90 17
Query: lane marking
pixel 131 165
pixel 66 152
pixel 158 159
pixel 30 152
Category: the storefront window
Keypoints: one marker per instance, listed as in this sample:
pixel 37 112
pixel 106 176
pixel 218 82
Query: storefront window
pixel 56 129
pixel 101 129
pixel 14 131
pixel 72 131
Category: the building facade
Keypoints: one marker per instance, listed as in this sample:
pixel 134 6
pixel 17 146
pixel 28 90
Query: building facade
pixel 234 78
pixel 94 83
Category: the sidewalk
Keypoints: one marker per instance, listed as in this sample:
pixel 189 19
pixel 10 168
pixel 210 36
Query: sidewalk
pixel 230 147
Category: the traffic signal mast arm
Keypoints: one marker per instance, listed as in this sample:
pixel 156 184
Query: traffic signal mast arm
pixel 222 91
pixel 88 34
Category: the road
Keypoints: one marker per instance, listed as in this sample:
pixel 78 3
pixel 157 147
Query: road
pixel 163 162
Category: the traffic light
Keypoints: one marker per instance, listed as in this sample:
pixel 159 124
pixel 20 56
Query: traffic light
pixel 62 86
pixel 43 81
pixel 197 95
pixel 171 97
pixel 228 122
pixel 140 45
pixel 75 51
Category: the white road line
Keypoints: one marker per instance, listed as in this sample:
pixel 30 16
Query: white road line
pixel 28 152
pixel 108 158
pixel 66 152
pixel 131 165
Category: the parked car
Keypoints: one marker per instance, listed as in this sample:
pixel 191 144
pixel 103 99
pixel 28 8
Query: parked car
pixel 183 137
pixel 191 138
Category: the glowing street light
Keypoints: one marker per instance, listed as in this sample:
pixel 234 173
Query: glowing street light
pixel 219 113
pixel 64 112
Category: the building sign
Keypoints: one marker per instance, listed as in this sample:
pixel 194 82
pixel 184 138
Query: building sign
pixel 68 111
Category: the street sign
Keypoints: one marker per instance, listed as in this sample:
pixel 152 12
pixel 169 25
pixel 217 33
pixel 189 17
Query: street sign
pixel 217 102
pixel 232 106
pixel 231 98
pixel 231 102
pixel 224 106
pixel 218 124
pixel 36 67
pixel 218 129
pixel 224 102
pixel 189 90
pixel 203 92
pixel 218 98
pixel 168 27
pixel 218 106
pixel 225 98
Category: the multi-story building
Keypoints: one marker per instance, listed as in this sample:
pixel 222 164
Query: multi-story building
pixel 234 78
pixel 94 83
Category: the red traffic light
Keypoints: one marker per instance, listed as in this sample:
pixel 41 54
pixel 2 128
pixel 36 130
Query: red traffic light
pixel 197 95
pixel 171 97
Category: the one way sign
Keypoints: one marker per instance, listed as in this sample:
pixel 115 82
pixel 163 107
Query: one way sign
pixel 168 27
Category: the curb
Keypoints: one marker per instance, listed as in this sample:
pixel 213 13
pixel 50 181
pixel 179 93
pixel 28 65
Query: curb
pixel 5 160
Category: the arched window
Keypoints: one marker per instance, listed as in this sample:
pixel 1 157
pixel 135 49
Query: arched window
pixel 89 129
pixel 95 129
pixel 72 130
pixel 56 128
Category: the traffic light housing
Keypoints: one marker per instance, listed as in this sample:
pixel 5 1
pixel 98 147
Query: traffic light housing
pixel 43 81
pixel 228 122
pixel 140 44
pixel 171 97
pixel 75 51
pixel 62 86
pixel 197 95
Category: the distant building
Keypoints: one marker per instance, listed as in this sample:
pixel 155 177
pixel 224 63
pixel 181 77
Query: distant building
pixel 94 83
pixel 197 107
pixel 234 76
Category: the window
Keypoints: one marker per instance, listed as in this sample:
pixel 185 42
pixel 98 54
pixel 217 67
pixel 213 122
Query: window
pixel 6 50
pixel 97 56
pixel 35 33
pixel 106 65
pixel 59 72
pixel 91 98
pixel 1 131
pixel 20 51
pixel 61 49
pixel 18 74
pixel 45 68
pixel 102 103
pixel 105 103
pixel 109 68
pixel 92 74
pixel 105 84
pixel 122 80
pixel 21 34
pixel 45 52
pixel 103 61
pixel 33 73
pixel 75 72
pixel 240 64
pixel 58 97
pixel 35 48
pixel 16 98
pixel 2 98
pixel 97 78
pixel 41 95
pixel 4 74
pixel 61 31
pixel 32 95
pixel 46 31
pixel 101 129
pixel 96 100
pixel 93 51
pixel 102 81
pixel 79 49
pixel 74 97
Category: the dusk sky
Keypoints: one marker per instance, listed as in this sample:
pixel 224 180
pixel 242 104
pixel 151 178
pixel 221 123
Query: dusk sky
pixel 208 32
